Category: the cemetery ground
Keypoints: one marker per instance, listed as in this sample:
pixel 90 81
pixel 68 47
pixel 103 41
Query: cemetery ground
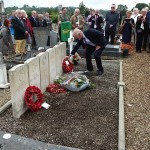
pixel 89 119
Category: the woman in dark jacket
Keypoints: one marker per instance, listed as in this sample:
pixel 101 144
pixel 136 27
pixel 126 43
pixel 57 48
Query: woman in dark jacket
pixel 127 24
pixel 5 38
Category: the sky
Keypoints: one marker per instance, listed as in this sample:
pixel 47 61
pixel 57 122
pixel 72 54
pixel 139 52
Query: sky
pixel 95 4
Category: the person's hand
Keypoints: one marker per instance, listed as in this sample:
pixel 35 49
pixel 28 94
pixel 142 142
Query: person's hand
pixel 111 26
pixel 97 47
pixel 26 32
pixel 59 22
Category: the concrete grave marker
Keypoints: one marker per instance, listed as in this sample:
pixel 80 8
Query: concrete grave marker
pixel 52 65
pixel 34 71
pixel 41 36
pixel 58 57
pixel 44 72
pixel 63 50
pixel 19 81
pixel 53 38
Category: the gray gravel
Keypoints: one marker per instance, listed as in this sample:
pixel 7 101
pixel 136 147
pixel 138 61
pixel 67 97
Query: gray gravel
pixel 86 120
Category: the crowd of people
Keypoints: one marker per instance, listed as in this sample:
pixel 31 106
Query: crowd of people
pixel 17 30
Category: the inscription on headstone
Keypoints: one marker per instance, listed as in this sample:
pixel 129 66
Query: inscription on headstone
pixel 18 76
pixel 41 36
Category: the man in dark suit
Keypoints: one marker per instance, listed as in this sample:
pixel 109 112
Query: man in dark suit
pixel 94 42
pixel 34 20
pixel 34 23
pixel 112 18
pixel 19 33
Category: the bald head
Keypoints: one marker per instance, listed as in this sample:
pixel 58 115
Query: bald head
pixel 77 12
pixel 77 34
pixel 135 11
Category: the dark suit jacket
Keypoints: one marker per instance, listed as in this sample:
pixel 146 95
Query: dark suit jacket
pixel 98 22
pixel 19 29
pixel 34 22
pixel 111 18
pixel 95 36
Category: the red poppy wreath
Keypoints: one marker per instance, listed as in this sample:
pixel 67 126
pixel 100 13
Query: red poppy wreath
pixel 28 97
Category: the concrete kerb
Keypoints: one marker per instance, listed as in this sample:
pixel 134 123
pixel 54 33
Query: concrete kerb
pixel 121 130
pixel 4 107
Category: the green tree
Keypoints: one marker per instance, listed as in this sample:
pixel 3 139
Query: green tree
pixel 140 6
pixel 122 9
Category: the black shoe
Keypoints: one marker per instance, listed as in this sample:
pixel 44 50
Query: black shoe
pixel 99 73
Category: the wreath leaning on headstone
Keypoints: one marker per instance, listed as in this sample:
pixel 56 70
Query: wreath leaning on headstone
pixel 28 97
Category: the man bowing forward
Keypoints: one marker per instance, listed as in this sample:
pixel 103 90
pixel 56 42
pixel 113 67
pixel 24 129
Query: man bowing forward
pixel 94 42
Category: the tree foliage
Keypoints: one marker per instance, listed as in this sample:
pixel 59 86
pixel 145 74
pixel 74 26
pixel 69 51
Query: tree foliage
pixel 140 6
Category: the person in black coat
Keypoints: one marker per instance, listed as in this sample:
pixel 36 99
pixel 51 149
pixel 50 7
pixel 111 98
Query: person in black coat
pixel 96 21
pixel 112 18
pixel 94 42
pixel 19 33
pixel 42 21
pixel 34 20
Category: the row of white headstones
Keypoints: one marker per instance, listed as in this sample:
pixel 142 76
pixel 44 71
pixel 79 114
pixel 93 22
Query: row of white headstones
pixel 38 71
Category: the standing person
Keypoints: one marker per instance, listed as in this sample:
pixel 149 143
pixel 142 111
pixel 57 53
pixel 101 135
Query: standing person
pixel 63 17
pixel 28 27
pixel 48 20
pixel 92 13
pixel 94 42
pixel 5 38
pixel 12 28
pixel 34 19
pixel 135 16
pixel 140 25
pixel 34 23
pixel 20 33
pixel 96 21
pixel 112 18
pixel 77 20
pixel 127 24
pixel 146 39
pixel 42 21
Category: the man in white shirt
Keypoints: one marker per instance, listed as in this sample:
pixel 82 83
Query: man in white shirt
pixel 135 16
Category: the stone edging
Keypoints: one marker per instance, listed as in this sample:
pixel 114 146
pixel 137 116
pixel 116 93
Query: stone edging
pixel 121 129
pixel 4 107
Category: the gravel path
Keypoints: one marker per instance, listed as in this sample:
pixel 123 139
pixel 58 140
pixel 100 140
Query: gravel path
pixel 86 120
pixel 136 71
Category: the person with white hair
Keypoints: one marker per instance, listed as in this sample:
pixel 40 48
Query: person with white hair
pixel 94 42
pixel 20 33
pixel 77 20
pixel 48 20
pixel 34 19
pixel 135 15
pixel 141 25
pixel 42 21
pixel 27 26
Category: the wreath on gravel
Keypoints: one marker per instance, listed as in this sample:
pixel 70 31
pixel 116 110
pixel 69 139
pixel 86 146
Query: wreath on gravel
pixel 30 91
pixel 55 89
pixel 67 65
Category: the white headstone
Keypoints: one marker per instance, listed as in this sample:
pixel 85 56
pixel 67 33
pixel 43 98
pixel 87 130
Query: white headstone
pixel 63 50
pixel 44 71
pixel 34 71
pixel 58 57
pixel 19 82
pixel 3 74
pixel 52 65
